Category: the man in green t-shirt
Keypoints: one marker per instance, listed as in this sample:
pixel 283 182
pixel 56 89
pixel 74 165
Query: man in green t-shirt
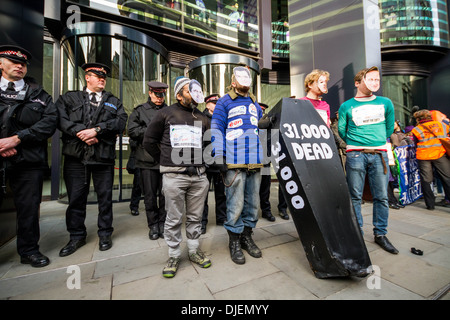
pixel 365 123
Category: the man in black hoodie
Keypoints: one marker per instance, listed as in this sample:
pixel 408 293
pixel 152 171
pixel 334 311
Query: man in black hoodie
pixel 28 118
pixel 90 121
pixel 174 138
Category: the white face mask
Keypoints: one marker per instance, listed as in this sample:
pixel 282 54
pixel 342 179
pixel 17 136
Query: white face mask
pixel 322 84
pixel 243 76
pixel 195 89
pixel 372 81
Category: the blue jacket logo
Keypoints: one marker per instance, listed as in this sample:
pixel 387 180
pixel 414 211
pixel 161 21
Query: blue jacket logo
pixel 110 105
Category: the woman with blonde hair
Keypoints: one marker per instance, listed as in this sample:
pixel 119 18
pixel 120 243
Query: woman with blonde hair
pixel 315 86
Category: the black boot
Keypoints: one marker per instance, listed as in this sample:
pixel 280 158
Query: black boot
pixel 248 244
pixel 235 248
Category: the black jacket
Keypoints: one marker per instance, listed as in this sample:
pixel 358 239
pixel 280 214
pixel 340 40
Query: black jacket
pixel 210 168
pixel 138 122
pixel 110 116
pixel 159 142
pixel 33 119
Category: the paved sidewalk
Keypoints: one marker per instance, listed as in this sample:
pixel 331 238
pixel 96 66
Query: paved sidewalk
pixel 132 268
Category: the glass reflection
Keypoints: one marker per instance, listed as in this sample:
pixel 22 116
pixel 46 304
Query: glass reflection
pixel 405 91
pixel 414 22
pixel 233 22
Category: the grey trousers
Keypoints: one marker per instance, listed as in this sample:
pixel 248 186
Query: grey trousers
pixel 183 194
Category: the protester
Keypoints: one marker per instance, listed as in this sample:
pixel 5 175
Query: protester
pixel 365 123
pixel 316 86
pixel 174 138
pixel 431 154
pixel 238 154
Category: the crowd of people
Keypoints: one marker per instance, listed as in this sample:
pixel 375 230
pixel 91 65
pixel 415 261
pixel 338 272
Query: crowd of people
pixel 168 160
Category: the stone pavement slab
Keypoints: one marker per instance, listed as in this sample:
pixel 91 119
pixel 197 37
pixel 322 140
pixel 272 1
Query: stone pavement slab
pixel 131 269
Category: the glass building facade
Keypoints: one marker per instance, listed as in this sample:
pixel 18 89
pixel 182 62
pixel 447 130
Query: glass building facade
pixel 411 32
pixel 414 22
pixel 228 21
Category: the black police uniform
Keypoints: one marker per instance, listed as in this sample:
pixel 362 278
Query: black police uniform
pixel 136 190
pixel 31 114
pixel 151 178
pixel 82 161
pixel 213 174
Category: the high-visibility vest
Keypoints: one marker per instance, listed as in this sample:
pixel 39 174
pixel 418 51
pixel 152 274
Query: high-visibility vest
pixel 436 115
pixel 428 146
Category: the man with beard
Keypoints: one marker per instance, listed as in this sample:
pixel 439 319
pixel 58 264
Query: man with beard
pixel 151 179
pixel 238 154
pixel 365 122
pixel 174 138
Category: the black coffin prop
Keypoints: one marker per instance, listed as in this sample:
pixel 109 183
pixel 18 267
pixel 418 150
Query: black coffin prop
pixel 308 167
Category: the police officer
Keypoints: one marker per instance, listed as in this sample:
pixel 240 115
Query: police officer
pixel 151 178
pixel 264 190
pixel 90 121
pixel 28 118
pixel 213 174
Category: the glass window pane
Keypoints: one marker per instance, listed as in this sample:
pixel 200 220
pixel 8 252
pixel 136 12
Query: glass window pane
pixel 405 92
pixel 414 22
pixel 233 22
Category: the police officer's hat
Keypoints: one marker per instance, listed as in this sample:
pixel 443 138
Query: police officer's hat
pixel 212 98
pixel 158 88
pixel 15 53
pixel 99 69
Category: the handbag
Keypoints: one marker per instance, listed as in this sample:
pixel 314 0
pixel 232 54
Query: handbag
pixel 444 141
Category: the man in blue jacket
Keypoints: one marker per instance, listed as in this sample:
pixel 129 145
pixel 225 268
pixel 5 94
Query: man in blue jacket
pixel 238 154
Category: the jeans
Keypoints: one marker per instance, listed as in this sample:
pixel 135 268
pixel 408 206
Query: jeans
pixel 242 199
pixel 357 165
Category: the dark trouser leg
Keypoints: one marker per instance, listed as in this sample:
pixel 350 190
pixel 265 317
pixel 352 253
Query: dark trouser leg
pixel 426 178
pixel 103 178
pixel 77 178
pixel 136 190
pixel 264 195
pixel 151 182
pixel 26 185
pixel 221 198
